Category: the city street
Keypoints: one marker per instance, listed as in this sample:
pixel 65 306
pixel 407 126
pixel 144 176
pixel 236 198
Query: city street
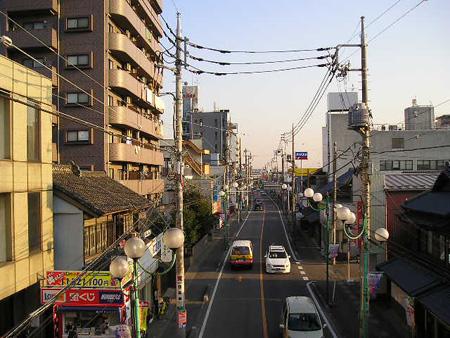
pixel 248 303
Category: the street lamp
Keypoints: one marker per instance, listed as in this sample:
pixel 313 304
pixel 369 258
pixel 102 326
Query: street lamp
pixel 381 234
pixel 238 200
pixel 322 205
pixel 286 187
pixel 347 218
pixel 223 193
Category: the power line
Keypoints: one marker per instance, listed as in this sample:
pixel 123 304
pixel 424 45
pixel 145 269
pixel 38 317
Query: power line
pixel 227 63
pixel 199 71
pixel 411 149
pixel 225 51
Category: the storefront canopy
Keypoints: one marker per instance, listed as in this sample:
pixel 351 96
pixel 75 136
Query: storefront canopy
pixel 437 301
pixel 411 278
pixel 342 180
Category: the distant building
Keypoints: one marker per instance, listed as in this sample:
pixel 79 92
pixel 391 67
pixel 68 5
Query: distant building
pixel 190 105
pixel 443 121
pixel 26 208
pixel 419 117
pixel 211 127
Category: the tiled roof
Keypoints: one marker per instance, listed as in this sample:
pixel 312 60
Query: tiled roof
pixel 409 181
pixel 95 191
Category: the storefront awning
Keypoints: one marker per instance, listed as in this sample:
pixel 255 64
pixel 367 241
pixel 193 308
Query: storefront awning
pixel 437 301
pixel 342 180
pixel 99 309
pixel 411 278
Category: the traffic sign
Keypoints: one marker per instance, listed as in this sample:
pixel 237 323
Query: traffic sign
pixel 301 155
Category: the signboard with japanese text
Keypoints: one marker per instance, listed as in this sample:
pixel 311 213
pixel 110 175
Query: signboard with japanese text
pixel 301 155
pixel 84 297
pixel 92 279
pixel 155 244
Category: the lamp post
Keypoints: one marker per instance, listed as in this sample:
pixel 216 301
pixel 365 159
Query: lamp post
pixel 223 193
pixel 238 200
pixel 381 234
pixel 135 248
pixel 347 218
pixel 318 198
pixel 284 186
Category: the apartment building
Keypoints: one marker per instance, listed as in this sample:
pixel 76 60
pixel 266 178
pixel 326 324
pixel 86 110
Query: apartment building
pixel 109 51
pixel 26 209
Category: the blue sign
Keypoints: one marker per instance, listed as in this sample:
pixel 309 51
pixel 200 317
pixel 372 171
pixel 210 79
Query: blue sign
pixel 301 155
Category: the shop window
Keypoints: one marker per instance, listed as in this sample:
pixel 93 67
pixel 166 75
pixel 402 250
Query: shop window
pixel 5 228
pixel 34 221
pixel 398 143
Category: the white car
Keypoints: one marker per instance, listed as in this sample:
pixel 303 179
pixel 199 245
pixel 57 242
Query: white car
pixel 277 260
pixel 300 319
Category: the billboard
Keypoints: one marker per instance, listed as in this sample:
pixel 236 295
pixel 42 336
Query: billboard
pixel 92 279
pixel 301 155
pixel 84 297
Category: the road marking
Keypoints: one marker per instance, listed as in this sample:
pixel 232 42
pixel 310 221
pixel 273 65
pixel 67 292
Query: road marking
pixel 285 232
pixel 208 310
pixel 302 272
pixel 305 278
pixel 261 282
pixel 300 267
pixel 330 328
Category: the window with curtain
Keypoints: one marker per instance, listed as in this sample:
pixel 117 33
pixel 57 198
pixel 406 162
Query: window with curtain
pixel 33 132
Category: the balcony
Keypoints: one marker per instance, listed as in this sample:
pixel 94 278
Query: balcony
pixel 145 187
pixel 23 40
pixel 149 12
pixel 44 6
pixel 127 117
pixel 122 47
pixel 126 17
pixel 158 4
pixel 123 152
pixel 124 83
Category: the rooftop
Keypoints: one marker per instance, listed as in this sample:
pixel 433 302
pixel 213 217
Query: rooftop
pixel 94 191
pixel 410 181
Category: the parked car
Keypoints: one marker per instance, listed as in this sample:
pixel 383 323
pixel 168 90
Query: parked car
pixel 300 318
pixel 277 260
pixel 241 253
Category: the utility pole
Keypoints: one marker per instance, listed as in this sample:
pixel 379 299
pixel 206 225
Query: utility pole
pixel 365 133
pixel 282 165
pixel 294 191
pixel 246 177
pixel 238 192
pixel 181 310
pixel 334 195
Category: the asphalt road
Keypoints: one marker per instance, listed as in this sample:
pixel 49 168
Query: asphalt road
pixel 248 303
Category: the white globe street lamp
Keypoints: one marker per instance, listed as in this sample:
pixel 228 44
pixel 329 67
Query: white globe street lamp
pixel 225 187
pixel 317 197
pixel 308 192
pixel 381 234
pixel 235 184
pixel 173 238
pixel 351 219
pixel 119 267
pixel 222 193
pixel 284 186
pixel 135 247
pixel 343 213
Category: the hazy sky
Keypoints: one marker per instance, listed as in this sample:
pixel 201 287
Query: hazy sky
pixel 411 59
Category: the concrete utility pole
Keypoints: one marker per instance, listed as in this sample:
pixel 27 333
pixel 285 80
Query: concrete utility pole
pixel 181 310
pixel 294 190
pixel 246 177
pixel 334 195
pixel 365 133
pixel 238 192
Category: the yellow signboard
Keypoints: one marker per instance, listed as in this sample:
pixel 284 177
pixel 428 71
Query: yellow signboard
pixel 305 171
pixel 92 279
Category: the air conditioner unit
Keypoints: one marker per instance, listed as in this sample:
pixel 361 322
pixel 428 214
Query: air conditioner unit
pixel 133 39
pixel 144 79
pixel 127 32
pixel 128 99
pixel 393 127
pixel 128 66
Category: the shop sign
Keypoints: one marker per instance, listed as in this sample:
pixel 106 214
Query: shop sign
pixel 48 294
pixel 166 254
pixel 155 245
pixel 182 318
pixel 92 279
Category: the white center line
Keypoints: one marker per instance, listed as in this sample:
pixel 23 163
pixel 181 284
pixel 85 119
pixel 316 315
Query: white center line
pixel 302 272
pixel 305 278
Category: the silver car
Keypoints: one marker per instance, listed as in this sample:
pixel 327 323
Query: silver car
pixel 300 319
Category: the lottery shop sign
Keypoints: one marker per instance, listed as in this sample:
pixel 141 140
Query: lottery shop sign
pixel 84 297
pixel 91 279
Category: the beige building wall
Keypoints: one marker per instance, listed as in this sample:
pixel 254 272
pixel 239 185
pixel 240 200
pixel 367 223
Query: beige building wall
pixel 18 177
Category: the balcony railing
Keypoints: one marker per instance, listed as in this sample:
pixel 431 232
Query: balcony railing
pixel 124 152
pixel 145 187
pixel 127 117
pixel 31 6
pixel 22 39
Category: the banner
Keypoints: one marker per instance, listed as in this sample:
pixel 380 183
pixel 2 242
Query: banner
pixel 333 250
pixel 84 297
pixel 92 279
pixel 410 311
pixel 374 280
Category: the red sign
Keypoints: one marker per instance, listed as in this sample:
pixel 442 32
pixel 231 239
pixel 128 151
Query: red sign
pixel 182 319
pixel 85 297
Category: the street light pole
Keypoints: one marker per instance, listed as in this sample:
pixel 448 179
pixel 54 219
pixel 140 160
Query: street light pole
pixel 181 310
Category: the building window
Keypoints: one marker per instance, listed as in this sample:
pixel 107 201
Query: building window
pixel 110 100
pixel 5 140
pixel 78 136
pixel 5 228
pixel 423 165
pixel 430 164
pixel 110 64
pixel 34 25
pixel 216 122
pixel 77 24
pixel 34 221
pixel 77 98
pixel 80 60
pixel 398 143
pixel 216 135
pixel 386 165
pixel 38 63
pixel 33 132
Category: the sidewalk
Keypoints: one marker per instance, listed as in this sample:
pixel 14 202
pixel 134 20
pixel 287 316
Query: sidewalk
pixel 344 296
pixel 199 279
